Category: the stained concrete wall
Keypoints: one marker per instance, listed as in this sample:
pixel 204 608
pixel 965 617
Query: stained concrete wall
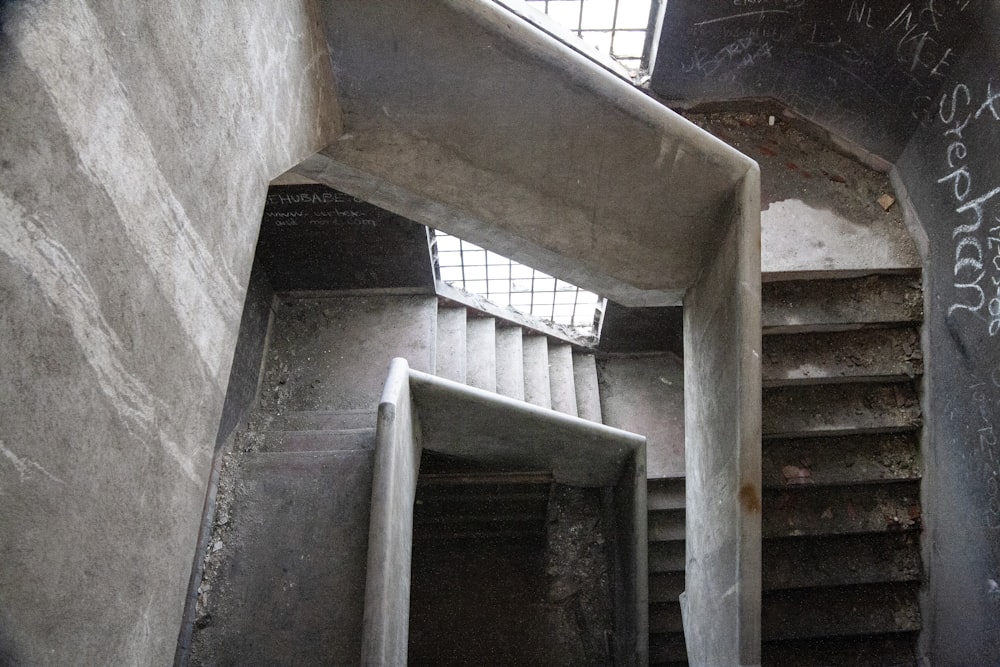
pixel 721 602
pixel 136 143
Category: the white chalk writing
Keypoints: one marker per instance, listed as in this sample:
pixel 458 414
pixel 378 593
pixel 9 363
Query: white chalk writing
pixel 976 232
pixel 984 397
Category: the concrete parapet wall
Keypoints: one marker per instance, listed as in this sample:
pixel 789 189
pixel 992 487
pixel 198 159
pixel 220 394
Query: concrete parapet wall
pixel 722 445
pixel 136 143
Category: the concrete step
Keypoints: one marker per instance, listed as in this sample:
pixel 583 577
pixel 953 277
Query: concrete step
pixel 842 409
pixel 665 586
pixel 537 390
pixel 872 609
pixel 849 356
pixel 666 556
pixel 481 353
pixel 665 493
pixel 839 510
pixel 562 384
pixel 665 525
pixel 451 344
pixel 840 560
pixel 510 362
pixel 854 459
pixel 665 617
pixel 588 393
pixel 836 305
pixel 290 583
pixel 318 441
pixel 324 420
pixel 857 651
pixel 667 650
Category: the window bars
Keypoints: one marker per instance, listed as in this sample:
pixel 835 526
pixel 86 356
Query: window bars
pixel 616 28
pixel 505 282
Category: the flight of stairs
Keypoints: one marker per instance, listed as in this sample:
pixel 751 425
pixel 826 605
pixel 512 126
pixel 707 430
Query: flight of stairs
pixel 841 470
pixel 841 474
pixel 502 357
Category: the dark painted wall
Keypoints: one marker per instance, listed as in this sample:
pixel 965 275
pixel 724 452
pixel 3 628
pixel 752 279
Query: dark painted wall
pixel 952 172
pixel 865 69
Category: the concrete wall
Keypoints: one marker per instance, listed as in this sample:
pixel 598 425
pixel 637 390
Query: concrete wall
pixel 136 143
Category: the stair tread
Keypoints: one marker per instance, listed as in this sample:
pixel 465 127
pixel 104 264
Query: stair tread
pixel 318 440
pixel 481 353
pixel 665 586
pixel 895 649
pixel 323 420
pixel 816 305
pixel 666 556
pixel 867 354
pixel 588 394
pixel 450 354
pixel 840 560
pixel 665 493
pixel 840 611
pixel 665 525
pixel 537 390
pixel 665 617
pixel 808 511
pixel 854 459
pixel 510 362
pixel 562 384
pixel 839 409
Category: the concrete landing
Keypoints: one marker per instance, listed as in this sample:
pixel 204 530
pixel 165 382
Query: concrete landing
pixel 283 594
pixel 336 350
pixel 645 394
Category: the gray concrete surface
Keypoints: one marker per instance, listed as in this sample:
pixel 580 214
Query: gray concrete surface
pixel 588 391
pixel 449 352
pixel 645 394
pixel 538 153
pixel 562 384
pixel 481 353
pixel 510 362
pixel 336 348
pixel 136 143
pixel 722 405
pixel 418 411
pixel 537 389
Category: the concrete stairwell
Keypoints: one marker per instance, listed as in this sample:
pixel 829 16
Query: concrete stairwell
pixel 502 357
pixel 841 470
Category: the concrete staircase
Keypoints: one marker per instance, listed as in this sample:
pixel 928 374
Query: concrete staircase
pixel 502 357
pixel 841 470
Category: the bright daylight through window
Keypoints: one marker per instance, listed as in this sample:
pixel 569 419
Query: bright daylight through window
pixel 507 283
pixel 616 28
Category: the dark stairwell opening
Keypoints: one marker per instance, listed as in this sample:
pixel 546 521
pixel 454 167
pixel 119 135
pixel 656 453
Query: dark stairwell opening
pixel 508 568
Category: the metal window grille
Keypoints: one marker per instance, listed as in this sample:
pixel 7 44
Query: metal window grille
pixel 616 28
pixel 508 283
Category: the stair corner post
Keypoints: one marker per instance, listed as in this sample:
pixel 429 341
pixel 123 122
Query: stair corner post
pixel 722 397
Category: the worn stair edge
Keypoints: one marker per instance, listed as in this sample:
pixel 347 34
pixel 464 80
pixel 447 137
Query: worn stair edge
pixel 840 560
pixel 809 511
pixel 666 525
pixel 891 650
pixel 666 556
pixel 665 493
pixel 450 355
pixel 665 617
pixel 481 353
pixel 318 441
pixel 510 362
pixel 840 611
pixel 867 355
pixel 588 393
pixel 562 384
pixel 841 409
pixel 855 459
pixel 667 649
pixel 323 420
pixel 665 586
pixel 836 304
pixel 536 371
